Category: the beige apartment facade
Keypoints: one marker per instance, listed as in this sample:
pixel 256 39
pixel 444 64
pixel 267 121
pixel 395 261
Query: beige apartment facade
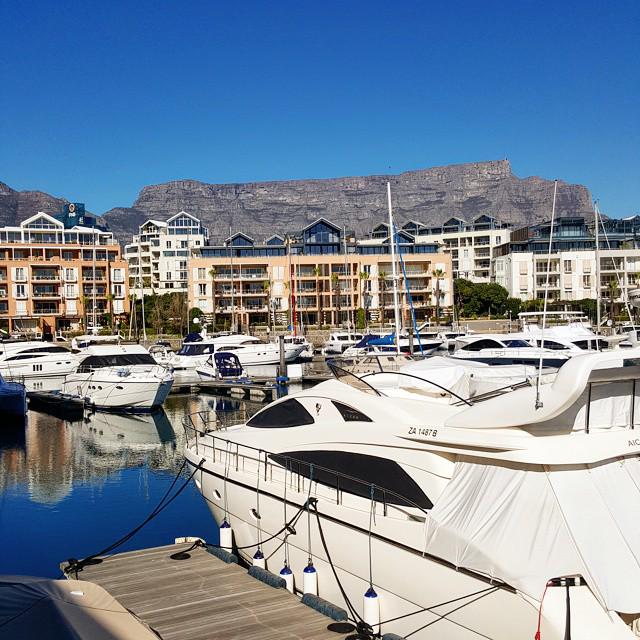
pixel 52 278
pixel 317 290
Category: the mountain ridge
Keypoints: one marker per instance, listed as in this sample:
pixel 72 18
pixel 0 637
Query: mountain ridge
pixel 260 209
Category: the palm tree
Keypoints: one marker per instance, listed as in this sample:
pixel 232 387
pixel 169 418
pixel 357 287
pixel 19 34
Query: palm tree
pixel 614 291
pixel 363 276
pixel 437 274
pixel 213 272
pixel 335 287
pixel 382 277
pixel 85 304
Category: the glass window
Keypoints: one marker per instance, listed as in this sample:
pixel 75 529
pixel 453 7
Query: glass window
pixel 355 473
pixel 550 344
pixel 289 413
pixel 516 343
pixel 349 414
pixel 478 345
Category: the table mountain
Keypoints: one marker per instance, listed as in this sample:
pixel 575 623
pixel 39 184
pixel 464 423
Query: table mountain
pixel 428 195
pixel 263 208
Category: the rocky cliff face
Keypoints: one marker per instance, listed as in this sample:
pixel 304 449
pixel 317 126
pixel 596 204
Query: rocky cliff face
pixel 15 206
pixel 263 208
pixel 429 196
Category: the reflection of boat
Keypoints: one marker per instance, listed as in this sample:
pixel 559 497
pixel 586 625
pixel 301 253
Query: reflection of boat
pixel 139 432
pixel 13 399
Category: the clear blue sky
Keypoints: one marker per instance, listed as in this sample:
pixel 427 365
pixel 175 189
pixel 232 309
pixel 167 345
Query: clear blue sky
pixel 99 99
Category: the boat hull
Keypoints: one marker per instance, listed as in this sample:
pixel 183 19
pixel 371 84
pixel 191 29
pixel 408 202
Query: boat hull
pixel 103 392
pixel 13 400
pixel 405 579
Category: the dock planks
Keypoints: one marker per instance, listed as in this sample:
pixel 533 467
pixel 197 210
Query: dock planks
pixel 203 598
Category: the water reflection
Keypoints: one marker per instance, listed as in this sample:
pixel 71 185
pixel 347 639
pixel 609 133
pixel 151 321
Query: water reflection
pixel 50 455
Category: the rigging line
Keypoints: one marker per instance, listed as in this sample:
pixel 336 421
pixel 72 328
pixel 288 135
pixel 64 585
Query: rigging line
pixel 284 504
pixel 409 297
pixel 309 514
pixel 369 539
pixel 538 403
pixel 435 606
pixel 165 501
pixel 615 268
pixel 352 610
pixel 258 500
pixel 444 615
pixel 224 482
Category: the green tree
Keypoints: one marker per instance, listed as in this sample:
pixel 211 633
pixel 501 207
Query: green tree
pixel 437 274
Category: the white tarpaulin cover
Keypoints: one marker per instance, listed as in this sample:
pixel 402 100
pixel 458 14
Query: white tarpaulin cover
pixel 526 526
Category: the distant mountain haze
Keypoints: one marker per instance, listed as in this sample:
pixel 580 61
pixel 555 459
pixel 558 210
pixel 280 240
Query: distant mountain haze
pixel 260 209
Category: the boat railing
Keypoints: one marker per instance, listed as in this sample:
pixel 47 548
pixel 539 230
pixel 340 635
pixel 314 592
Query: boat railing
pixel 204 434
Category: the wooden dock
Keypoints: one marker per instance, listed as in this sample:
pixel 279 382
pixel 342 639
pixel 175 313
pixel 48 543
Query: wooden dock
pixel 203 598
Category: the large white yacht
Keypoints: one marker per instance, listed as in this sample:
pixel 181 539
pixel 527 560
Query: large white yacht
pixel 502 516
pixel 36 363
pixel 339 341
pixel 119 377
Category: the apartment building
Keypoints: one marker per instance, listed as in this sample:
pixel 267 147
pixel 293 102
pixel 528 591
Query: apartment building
pixel 55 272
pixel 521 265
pixel 310 278
pixel 158 255
pixel 470 244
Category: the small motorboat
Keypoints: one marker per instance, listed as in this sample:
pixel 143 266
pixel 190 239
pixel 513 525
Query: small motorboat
pixel 13 399
pixel 224 366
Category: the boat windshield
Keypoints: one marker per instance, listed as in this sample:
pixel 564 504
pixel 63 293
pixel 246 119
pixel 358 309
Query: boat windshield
pixel 196 349
pixel 116 360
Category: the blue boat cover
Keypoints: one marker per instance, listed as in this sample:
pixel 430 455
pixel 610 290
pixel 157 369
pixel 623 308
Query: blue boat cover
pixel 227 364
pixel 367 340
pixel 385 340
pixel 193 337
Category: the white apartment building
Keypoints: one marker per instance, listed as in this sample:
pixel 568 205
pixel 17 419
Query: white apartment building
pixel 158 255
pixel 470 244
pixel 572 274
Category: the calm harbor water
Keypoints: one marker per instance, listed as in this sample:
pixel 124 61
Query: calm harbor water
pixel 71 488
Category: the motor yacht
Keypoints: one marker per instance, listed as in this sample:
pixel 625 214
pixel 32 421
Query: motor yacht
pixel 505 515
pixel 296 348
pixel 119 378
pixel 34 362
pixel 376 344
pixel 222 365
pixel 251 351
pixel 339 341
pixel 506 349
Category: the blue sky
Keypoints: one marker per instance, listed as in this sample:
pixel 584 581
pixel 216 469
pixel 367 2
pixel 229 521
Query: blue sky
pixel 99 99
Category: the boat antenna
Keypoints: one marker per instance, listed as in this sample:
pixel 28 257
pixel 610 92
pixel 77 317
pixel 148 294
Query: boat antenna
pixel 624 291
pixel 538 404
pixel 396 309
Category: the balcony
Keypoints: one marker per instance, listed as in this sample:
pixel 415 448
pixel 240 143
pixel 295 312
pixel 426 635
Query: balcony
pixel 88 275
pixel 46 292
pixel 45 309
pixel 4 308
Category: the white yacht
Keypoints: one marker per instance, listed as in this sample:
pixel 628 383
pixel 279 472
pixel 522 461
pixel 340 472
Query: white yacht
pixel 506 349
pixel 339 341
pixel 119 378
pixel 376 344
pixel 296 348
pixel 250 351
pixel 510 515
pixel 36 363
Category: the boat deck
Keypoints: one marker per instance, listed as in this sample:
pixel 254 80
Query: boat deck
pixel 203 597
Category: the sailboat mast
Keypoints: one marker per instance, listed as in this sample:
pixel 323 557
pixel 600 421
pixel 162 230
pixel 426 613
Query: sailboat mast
pixel 233 303
pixel 94 281
pixel 347 273
pixel 596 212
pixel 392 241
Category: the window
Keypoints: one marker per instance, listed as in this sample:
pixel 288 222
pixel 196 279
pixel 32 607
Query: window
pixel 289 413
pixel 202 289
pixel 21 291
pixel 393 485
pixel 202 273
pixel 349 414
pixel 184 244
pixel 167 275
pixel 550 344
pixel 567 266
pixel 478 345
pixel 519 344
pixel 168 244
pixel 586 281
